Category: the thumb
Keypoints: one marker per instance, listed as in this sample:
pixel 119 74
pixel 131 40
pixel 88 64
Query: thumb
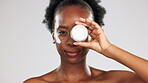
pixel 83 44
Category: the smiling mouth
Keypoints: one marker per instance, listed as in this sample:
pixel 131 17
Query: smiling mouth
pixel 72 54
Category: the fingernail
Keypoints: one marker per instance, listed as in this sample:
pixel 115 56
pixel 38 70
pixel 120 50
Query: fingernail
pixel 76 22
pixel 82 19
pixel 74 43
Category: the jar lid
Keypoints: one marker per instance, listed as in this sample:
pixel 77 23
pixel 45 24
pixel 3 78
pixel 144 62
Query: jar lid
pixel 79 33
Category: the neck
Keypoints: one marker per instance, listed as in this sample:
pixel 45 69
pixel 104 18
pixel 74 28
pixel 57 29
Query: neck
pixel 74 71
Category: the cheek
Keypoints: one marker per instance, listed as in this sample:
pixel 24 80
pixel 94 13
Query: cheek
pixel 63 39
pixel 60 38
pixel 60 47
pixel 85 50
pixel 56 36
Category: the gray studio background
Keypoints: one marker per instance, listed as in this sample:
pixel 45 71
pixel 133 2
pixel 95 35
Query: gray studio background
pixel 26 48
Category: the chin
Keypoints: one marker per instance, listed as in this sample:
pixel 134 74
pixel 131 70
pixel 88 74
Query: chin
pixel 76 60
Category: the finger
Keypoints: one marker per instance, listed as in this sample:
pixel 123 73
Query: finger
pixel 92 36
pixel 96 32
pixel 91 23
pixel 83 44
pixel 82 20
pixel 93 27
pixel 89 31
pixel 88 22
pixel 80 23
pixel 84 24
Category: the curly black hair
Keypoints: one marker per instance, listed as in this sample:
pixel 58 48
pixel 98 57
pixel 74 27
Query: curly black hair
pixel 92 5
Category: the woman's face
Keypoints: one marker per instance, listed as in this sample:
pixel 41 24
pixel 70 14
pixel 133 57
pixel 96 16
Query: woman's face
pixel 64 22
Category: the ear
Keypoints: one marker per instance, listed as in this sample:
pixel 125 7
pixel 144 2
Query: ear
pixel 54 41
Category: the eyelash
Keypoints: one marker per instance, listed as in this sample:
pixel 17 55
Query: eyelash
pixel 62 32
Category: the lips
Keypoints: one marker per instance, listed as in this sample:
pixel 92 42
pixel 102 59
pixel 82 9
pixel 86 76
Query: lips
pixel 72 53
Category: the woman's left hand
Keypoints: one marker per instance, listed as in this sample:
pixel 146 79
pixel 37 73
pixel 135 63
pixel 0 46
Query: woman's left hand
pixel 99 41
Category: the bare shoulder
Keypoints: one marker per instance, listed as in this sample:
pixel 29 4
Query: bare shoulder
pixel 116 76
pixel 125 76
pixel 46 78
pixel 35 80
pixel 96 72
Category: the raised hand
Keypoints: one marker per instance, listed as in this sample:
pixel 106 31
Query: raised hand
pixel 99 41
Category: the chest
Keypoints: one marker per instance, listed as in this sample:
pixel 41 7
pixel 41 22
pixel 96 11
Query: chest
pixel 92 81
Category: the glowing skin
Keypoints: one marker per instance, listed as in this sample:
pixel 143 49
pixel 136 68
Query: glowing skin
pixel 57 39
pixel 56 35
pixel 76 35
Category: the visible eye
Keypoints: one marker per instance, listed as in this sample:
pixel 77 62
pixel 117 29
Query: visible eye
pixel 62 32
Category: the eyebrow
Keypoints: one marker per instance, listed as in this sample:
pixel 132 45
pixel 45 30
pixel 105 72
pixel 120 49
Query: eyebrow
pixel 62 26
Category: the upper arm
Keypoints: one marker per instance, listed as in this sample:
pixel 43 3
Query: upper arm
pixel 35 80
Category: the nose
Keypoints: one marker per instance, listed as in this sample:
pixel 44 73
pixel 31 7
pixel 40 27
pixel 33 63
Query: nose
pixel 70 41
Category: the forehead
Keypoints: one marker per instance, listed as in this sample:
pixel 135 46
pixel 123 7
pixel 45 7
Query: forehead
pixel 70 14
pixel 73 10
